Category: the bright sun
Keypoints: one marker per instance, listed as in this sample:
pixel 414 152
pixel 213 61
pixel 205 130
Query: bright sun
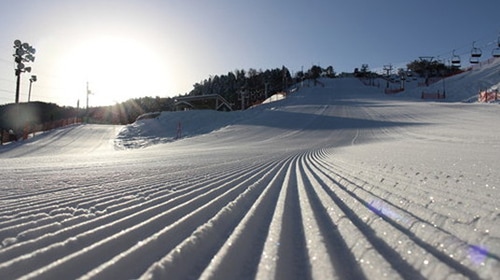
pixel 116 68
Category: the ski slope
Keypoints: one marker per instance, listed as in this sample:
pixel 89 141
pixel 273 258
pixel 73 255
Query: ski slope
pixel 334 182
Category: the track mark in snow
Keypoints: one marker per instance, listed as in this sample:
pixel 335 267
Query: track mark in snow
pixel 239 256
pixel 355 137
pixel 325 243
pixel 405 222
pixel 292 259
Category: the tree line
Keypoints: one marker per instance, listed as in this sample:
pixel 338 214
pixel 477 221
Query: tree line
pixel 253 86
pixel 245 88
pixel 432 68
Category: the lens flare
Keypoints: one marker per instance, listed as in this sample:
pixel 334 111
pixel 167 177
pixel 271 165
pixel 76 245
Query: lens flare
pixel 478 254
pixel 383 209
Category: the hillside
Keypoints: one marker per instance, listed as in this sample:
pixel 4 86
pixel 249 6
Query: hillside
pixel 463 87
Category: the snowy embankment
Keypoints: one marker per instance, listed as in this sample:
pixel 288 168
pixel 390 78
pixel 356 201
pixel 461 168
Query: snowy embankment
pixel 464 87
pixel 170 126
pixel 338 181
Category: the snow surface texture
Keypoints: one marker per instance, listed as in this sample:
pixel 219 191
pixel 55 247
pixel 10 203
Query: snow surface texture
pixel 339 181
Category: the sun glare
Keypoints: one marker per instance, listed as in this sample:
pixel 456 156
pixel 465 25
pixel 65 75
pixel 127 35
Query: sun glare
pixel 116 68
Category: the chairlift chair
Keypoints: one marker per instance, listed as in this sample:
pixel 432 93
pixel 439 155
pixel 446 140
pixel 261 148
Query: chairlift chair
pixel 496 51
pixel 474 60
pixel 455 60
pixel 475 52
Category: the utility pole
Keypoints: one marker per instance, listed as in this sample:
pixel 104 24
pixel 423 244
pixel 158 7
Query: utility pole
pixel 266 84
pixel 444 83
pixel 24 53
pixel 77 110
pixel 302 78
pixel 243 95
pixel 89 92
pixel 32 79
pixel 388 70
pixel 18 84
pixel 284 78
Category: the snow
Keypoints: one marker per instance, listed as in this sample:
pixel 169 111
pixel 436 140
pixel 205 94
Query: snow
pixel 466 86
pixel 341 181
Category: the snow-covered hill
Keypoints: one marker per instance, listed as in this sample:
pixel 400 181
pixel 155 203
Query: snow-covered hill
pixel 463 87
pixel 340 181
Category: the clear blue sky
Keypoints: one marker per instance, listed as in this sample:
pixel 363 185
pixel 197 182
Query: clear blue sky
pixel 136 48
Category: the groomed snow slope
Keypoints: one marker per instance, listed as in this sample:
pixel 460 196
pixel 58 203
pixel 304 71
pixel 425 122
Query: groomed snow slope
pixel 333 182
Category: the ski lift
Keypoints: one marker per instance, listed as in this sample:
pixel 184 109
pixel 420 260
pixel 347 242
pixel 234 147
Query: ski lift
pixel 475 54
pixel 455 60
pixel 496 51
pixel 474 60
